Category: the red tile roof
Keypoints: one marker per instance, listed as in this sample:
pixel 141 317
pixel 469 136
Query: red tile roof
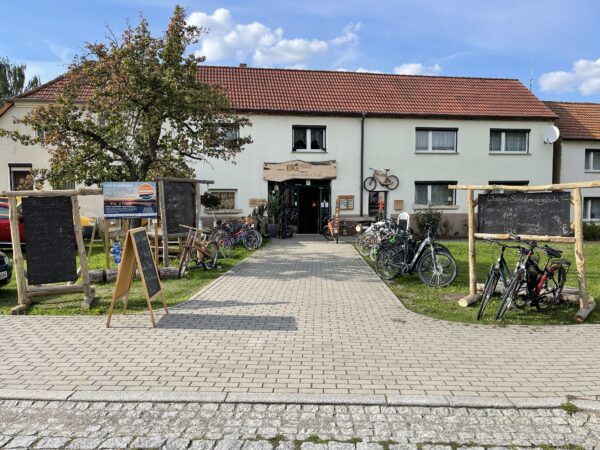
pixel 578 121
pixel 329 92
pixel 5 107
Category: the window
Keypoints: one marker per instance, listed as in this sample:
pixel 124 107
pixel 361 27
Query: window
pixel 20 177
pixel 227 198
pixel 507 183
pixel 436 140
pixel 434 193
pixel 592 160
pixel 509 141
pixel 3 212
pixel 591 208
pixel 308 138
pixel 229 134
pixel 39 133
pixel 376 199
pixel 64 185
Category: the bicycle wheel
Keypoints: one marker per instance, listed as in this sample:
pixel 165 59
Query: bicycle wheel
pixel 370 184
pixel 509 295
pixel 258 237
pixel 393 182
pixel 384 266
pixel 438 269
pixel 488 291
pixel 217 235
pixel 364 243
pixel 212 248
pixel 552 298
pixel 250 241
pixel 326 234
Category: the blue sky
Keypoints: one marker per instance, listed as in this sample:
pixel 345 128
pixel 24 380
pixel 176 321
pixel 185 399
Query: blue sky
pixel 488 38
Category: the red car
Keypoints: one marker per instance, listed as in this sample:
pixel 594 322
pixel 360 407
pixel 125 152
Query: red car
pixel 5 225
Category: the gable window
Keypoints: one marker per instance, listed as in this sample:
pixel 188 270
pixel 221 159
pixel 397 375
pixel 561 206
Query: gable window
pixel 509 141
pixel 308 138
pixel 592 160
pixel 20 177
pixel 434 193
pixel 591 208
pixel 227 197
pixel 436 140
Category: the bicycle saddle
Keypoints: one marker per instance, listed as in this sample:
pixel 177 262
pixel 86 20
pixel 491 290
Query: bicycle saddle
pixel 552 252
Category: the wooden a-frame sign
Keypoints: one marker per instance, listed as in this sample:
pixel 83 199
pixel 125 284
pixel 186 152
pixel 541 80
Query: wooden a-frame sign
pixel 136 252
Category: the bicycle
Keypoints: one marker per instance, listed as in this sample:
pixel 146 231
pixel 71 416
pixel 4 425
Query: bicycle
pixel 203 252
pixel 533 286
pixel 249 237
pixel 328 232
pixel 432 261
pixel 389 181
pixel 498 270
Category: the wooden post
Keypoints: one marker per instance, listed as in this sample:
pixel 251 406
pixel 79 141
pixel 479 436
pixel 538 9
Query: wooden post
pixel 156 242
pixel 584 299
pixel 13 215
pixel 472 254
pixel 163 222
pixel 106 225
pixel 85 274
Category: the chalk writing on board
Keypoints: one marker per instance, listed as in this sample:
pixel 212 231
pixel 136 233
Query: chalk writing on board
pixel 540 213
pixel 180 205
pixel 146 260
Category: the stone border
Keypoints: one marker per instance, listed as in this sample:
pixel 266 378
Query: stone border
pixel 447 401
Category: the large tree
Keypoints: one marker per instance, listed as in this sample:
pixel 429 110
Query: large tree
pixel 133 108
pixel 12 80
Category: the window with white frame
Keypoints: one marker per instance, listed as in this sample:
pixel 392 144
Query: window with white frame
pixel 227 197
pixel 434 193
pixel 436 140
pixel 306 138
pixel 592 160
pixel 20 177
pixel 509 141
pixel 591 208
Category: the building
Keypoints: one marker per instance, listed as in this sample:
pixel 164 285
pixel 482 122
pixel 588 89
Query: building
pixel 577 152
pixel 318 134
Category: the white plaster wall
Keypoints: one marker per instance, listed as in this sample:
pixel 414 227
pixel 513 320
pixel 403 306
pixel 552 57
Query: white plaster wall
pixel 572 166
pixel 389 143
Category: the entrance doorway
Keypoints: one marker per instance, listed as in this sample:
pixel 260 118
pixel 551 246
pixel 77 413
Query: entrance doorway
pixel 308 209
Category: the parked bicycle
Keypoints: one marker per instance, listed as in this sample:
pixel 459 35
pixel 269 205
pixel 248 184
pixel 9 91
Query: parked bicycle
pixel 327 231
pixel 535 286
pixel 383 178
pixel 368 242
pixel 498 271
pixel 199 249
pixel 248 236
pixel 432 261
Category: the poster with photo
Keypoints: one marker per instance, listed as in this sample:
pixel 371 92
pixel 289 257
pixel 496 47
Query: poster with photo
pixel 129 200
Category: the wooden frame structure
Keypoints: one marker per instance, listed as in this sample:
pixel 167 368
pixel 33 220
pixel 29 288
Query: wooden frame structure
pixel 162 211
pixel 586 304
pixel 26 293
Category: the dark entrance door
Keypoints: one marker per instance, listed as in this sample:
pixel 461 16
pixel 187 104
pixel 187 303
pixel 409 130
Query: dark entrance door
pixel 308 209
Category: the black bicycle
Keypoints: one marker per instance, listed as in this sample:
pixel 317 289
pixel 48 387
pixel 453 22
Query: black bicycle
pixel 535 286
pixel 498 271
pixel 404 253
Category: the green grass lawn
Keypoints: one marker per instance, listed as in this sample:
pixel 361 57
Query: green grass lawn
pixel 175 290
pixel 442 303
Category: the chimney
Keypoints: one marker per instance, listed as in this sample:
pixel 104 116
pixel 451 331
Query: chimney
pixel 243 65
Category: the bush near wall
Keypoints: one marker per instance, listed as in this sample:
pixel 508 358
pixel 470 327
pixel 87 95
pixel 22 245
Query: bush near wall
pixel 591 231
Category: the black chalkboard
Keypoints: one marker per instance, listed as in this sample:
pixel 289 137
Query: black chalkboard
pixel 50 247
pixel 146 260
pixel 539 213
pixel 180 205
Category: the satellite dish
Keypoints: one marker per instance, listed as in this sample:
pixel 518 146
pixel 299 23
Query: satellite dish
pixel 551 134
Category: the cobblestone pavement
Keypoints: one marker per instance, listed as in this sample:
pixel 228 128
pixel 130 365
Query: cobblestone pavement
pixel 302 316
pixel 80 425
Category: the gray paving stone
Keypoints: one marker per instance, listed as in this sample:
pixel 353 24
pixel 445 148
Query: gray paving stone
pixel 52 442
pixel 148 442
pixel 117 442
pixel 257 445
pixel 313 446
pixel 341 446
pixel 22 442
pixel 368 446
pixel 85 443
pixel 229 444
pixel 202 445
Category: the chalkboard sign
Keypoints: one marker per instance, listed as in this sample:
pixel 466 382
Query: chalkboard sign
pixel 51 249
pixel 146 263
pixel 180 205
pixel 545 213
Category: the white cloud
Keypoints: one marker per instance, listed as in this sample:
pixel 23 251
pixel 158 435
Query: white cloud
pixel 417 69
pixel 583 77
pixel 264 46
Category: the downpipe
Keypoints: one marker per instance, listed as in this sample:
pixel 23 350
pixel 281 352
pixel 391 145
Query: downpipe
pixel 362 161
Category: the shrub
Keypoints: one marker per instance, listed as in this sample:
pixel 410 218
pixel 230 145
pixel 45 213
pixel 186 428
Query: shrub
pixel 428 218
pixel 591 231
pixel 210 201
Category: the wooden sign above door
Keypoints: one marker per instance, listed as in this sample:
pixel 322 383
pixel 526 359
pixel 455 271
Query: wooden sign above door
pixel 303 170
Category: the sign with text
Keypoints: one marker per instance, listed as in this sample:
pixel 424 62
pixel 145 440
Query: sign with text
pixel 302 170
pixel 129 200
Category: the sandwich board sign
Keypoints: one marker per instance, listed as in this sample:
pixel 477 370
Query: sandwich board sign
pixel 136 253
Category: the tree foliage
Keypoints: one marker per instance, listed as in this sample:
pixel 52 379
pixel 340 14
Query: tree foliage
pixel 12 80
pixel 132 108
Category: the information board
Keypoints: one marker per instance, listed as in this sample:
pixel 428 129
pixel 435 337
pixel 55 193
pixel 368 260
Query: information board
pixel 533 213
pixel 129 200
pixel 51 249
pixel 179 206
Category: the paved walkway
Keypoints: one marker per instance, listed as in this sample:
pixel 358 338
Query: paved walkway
pixel 82 425
pixel 302 317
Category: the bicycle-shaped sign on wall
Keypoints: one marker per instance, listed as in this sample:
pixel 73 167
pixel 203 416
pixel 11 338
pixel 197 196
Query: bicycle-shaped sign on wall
pixel 383 178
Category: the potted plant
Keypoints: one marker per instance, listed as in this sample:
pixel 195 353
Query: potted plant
pixel 260 220
pixel 210 202
pixel 274 208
